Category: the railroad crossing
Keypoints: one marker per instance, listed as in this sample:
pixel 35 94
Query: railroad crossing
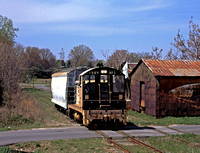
pixel 77 132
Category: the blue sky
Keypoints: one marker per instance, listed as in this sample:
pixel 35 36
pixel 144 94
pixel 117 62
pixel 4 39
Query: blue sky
pixel 135 25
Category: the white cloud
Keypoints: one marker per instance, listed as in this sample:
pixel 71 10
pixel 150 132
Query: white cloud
pixel 81 17
pixel 28 11
pixel 24 11
pixel 90 30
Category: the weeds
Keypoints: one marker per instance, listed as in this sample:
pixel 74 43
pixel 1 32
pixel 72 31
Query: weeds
pixel 148 120
pixel 22 109
pixel 5 150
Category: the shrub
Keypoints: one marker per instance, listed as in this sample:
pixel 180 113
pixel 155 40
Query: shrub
pixel 22 109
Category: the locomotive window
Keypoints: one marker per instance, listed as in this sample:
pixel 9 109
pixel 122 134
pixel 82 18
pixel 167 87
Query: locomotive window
pixel 118 83
pixel 104 79
pixel 103 71
pixel 92 78
pixel 89 81
pixel 78 72
pixel 70 82
pixel 86 79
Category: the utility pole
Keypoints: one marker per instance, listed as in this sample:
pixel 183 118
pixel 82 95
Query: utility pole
pixel 62 54
pixel 62 58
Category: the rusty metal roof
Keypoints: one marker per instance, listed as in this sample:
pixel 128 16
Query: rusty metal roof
pixel 131 66
pixel 173 67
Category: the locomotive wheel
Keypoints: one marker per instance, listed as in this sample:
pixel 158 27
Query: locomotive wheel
pixel 71 113
pixel 67 112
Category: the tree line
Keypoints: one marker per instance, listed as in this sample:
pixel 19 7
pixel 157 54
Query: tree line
pixel 182 48
pixel 20 64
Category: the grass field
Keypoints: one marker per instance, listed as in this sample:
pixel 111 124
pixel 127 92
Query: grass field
pixel 50 117
pixel 42 81
pixel 46 82
pixel 186 143
pixel 66 146
pixel 148 120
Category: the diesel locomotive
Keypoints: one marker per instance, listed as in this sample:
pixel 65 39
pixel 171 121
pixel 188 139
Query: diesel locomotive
pixel 91 96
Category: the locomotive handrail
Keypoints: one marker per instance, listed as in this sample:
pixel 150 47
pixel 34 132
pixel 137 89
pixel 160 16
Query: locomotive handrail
pixel 109 93
pixel 99 93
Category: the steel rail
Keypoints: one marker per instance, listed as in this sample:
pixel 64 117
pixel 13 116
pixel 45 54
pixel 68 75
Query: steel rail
pixel 139 142
pixel 143 144
pixel 117 145
pixel 189 143
pixel 131 138
pixel 112 142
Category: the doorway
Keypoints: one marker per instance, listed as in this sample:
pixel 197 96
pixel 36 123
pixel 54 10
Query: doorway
pixel 142 97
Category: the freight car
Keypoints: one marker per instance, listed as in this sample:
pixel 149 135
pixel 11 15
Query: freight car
pixel 92 96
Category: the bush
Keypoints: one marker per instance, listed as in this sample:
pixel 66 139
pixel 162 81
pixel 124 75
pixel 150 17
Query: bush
pixel 5 150
pixel 1 94
pixel 22 109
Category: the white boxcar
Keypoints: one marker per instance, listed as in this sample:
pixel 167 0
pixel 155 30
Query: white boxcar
pixel 63 86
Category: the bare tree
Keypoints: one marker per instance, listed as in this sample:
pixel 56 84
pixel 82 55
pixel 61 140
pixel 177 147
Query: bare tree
pixel 33 57
pixel 106 54
pixel 47 58
pixel 11 69
pixel 40 62
pixel 186 49
pixel 11 62
pixel 81 56
pixel 121 56
pixel 145 55
pixel 117 58
pixel 156 53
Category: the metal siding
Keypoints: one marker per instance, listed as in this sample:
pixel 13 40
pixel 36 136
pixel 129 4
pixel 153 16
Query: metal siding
pixel 173 67
pixel 143 74
pixel 161 76
pixel 58 88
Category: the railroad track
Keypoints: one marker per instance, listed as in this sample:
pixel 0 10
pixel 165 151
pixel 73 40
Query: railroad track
pixel 132 140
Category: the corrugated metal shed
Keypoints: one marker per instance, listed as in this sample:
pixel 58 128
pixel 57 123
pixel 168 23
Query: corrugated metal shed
pixel 173 67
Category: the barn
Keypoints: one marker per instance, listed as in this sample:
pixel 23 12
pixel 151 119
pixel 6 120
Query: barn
pixel 152 82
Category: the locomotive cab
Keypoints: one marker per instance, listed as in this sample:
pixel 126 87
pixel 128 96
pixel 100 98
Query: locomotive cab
pixel 100 96
pixel 104 91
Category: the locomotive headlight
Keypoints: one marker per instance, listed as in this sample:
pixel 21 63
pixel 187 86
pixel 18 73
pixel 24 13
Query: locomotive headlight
pixel 86 97
pixel 120 96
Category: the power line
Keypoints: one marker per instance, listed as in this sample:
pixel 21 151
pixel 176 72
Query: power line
pixel 62 54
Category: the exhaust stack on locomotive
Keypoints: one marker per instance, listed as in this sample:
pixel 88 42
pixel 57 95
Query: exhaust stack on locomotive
pixel 94 96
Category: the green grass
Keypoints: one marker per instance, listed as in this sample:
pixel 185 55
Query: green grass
pixel 44 97
pixel 148 120
pixel 46 82
pixel 49 116
pixel 52 117
pixel 5 149
pixel 97 145
pixel 186 143
pixel 176 143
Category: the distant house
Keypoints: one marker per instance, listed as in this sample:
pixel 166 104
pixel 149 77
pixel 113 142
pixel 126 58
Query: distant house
pixel 152 80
